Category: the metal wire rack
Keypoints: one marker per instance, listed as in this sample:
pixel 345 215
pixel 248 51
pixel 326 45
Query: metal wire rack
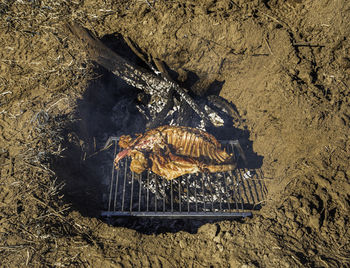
pixel 225 194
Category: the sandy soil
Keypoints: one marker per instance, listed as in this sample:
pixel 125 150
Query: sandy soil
pixel 284 64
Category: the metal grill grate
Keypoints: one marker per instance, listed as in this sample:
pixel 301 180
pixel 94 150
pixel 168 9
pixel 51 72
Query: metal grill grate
pixel 225 194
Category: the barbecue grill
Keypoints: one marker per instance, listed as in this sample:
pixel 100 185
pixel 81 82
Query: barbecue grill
pixel 235 193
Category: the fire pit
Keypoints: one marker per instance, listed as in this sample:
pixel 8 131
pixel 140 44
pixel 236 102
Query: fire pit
pixel 162 101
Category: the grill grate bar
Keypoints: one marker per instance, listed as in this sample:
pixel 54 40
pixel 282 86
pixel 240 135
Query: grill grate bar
pixel 241 182
pixel 155 197
pixel 245 178
pixel 225 187
pixel 220 196
pixel 139 193
pixel 171 196
pixel 164 187
pixel 111 185
pixel 124 187
pixel 224 194
pixel 116 190
pixel 203 187
pixel 195 195
pixel 132 189
pixel 236 190
pixel 188 195
pixel 211 193
pixel 180 203
pixel 236 176
pixel 147 208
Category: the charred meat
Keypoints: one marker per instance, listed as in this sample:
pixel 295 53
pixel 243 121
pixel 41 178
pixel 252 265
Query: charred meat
pixel 172 151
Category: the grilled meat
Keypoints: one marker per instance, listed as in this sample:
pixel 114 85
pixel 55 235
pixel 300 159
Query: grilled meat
pixel 172 151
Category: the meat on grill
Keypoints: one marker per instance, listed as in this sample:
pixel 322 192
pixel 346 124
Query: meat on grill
pixel 172 151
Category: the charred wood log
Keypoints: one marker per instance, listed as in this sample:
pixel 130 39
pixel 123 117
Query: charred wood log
pixel 159 88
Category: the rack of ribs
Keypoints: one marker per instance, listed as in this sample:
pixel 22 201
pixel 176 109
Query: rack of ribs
pixel 173 151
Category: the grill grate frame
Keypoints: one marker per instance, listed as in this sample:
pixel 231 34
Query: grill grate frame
pixel 229 194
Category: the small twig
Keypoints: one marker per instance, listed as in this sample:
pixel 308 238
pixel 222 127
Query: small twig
pixel 41 168
pixel 11 248
pixel 268 46
pixel 5 93
pixel 52 105
pixel 54 212
pixel 260 202
pixel 306 45
pixel 344 84
pixel 148 3
pixel 235 4
pixel 274 19
pixel 297 260
pixel 28 256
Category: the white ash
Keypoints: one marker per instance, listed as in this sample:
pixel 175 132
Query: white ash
pixel 214 116
pixel 200 124
pixel 156 105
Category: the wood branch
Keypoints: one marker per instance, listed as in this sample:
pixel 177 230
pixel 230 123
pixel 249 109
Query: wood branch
pixel 133 75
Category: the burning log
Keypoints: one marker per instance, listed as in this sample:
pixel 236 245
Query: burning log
pixel 159 88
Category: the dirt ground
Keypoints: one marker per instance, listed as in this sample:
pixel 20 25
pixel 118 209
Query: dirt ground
pixel 285 65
